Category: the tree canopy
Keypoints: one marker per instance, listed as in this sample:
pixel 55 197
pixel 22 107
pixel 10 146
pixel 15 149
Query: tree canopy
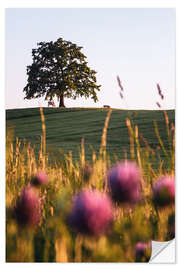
pixel 60 69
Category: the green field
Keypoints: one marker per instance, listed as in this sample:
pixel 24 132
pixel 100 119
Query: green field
pixel 66 127
pixel 53 239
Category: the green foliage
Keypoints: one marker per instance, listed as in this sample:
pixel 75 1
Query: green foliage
pixel 60 69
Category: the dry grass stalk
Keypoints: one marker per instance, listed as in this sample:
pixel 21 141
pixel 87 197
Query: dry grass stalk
pixel 166 118
pixel 159 138
pixel 138 147
pixel 104 133
pixel 43 130
pixel 159 91
pixel 61 250
pixel 121 95
pixel 119 83
pixel 131 138
pixel 168 132
pixel 93 157
pixel 78 248
pixel 147 145
pixel 70 162
pixel 82 157
pixel 158 104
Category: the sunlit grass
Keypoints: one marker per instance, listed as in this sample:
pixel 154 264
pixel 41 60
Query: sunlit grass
pixel 53 240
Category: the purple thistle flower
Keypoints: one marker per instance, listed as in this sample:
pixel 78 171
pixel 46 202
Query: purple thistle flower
pixel 143 251
pixel 164 191
pixel 39 179
pixel 124 182
pixel 28 208
pixel 91 213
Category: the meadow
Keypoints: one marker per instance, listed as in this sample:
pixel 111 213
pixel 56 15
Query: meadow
pixel 77 148
pixel 65 129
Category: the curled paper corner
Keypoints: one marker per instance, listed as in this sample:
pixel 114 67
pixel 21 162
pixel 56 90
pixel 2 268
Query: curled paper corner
pixel 163 252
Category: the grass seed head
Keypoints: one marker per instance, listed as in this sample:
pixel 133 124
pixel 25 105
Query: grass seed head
pixel 87 171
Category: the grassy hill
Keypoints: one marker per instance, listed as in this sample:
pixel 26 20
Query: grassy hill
pixel 66 127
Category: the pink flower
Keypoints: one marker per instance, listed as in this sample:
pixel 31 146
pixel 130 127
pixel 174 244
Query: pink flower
pixel 40 178
pixel 124 182
pixel 91 213
pixel 164 191
pixel 143 251
pixel 28 208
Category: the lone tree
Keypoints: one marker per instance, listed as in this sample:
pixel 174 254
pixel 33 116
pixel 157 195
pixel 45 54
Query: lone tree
pixel 59 69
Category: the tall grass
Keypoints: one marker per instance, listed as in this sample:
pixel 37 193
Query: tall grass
pixel 53 240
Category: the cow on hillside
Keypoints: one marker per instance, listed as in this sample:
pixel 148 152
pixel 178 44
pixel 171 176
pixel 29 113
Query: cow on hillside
pixel 51 103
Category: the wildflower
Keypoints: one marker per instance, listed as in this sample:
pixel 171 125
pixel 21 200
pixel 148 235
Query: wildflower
pixel 39 179
pixel 164 191
pixel 124 182
pixel 91 213
pixel 27 210
pixel 143 251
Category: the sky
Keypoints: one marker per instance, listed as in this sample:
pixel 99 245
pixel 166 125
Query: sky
pixel 138 44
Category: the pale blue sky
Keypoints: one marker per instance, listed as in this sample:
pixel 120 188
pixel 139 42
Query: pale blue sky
pixel 136 44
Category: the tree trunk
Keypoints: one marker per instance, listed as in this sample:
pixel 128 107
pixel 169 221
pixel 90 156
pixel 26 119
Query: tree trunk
pixel 61 102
